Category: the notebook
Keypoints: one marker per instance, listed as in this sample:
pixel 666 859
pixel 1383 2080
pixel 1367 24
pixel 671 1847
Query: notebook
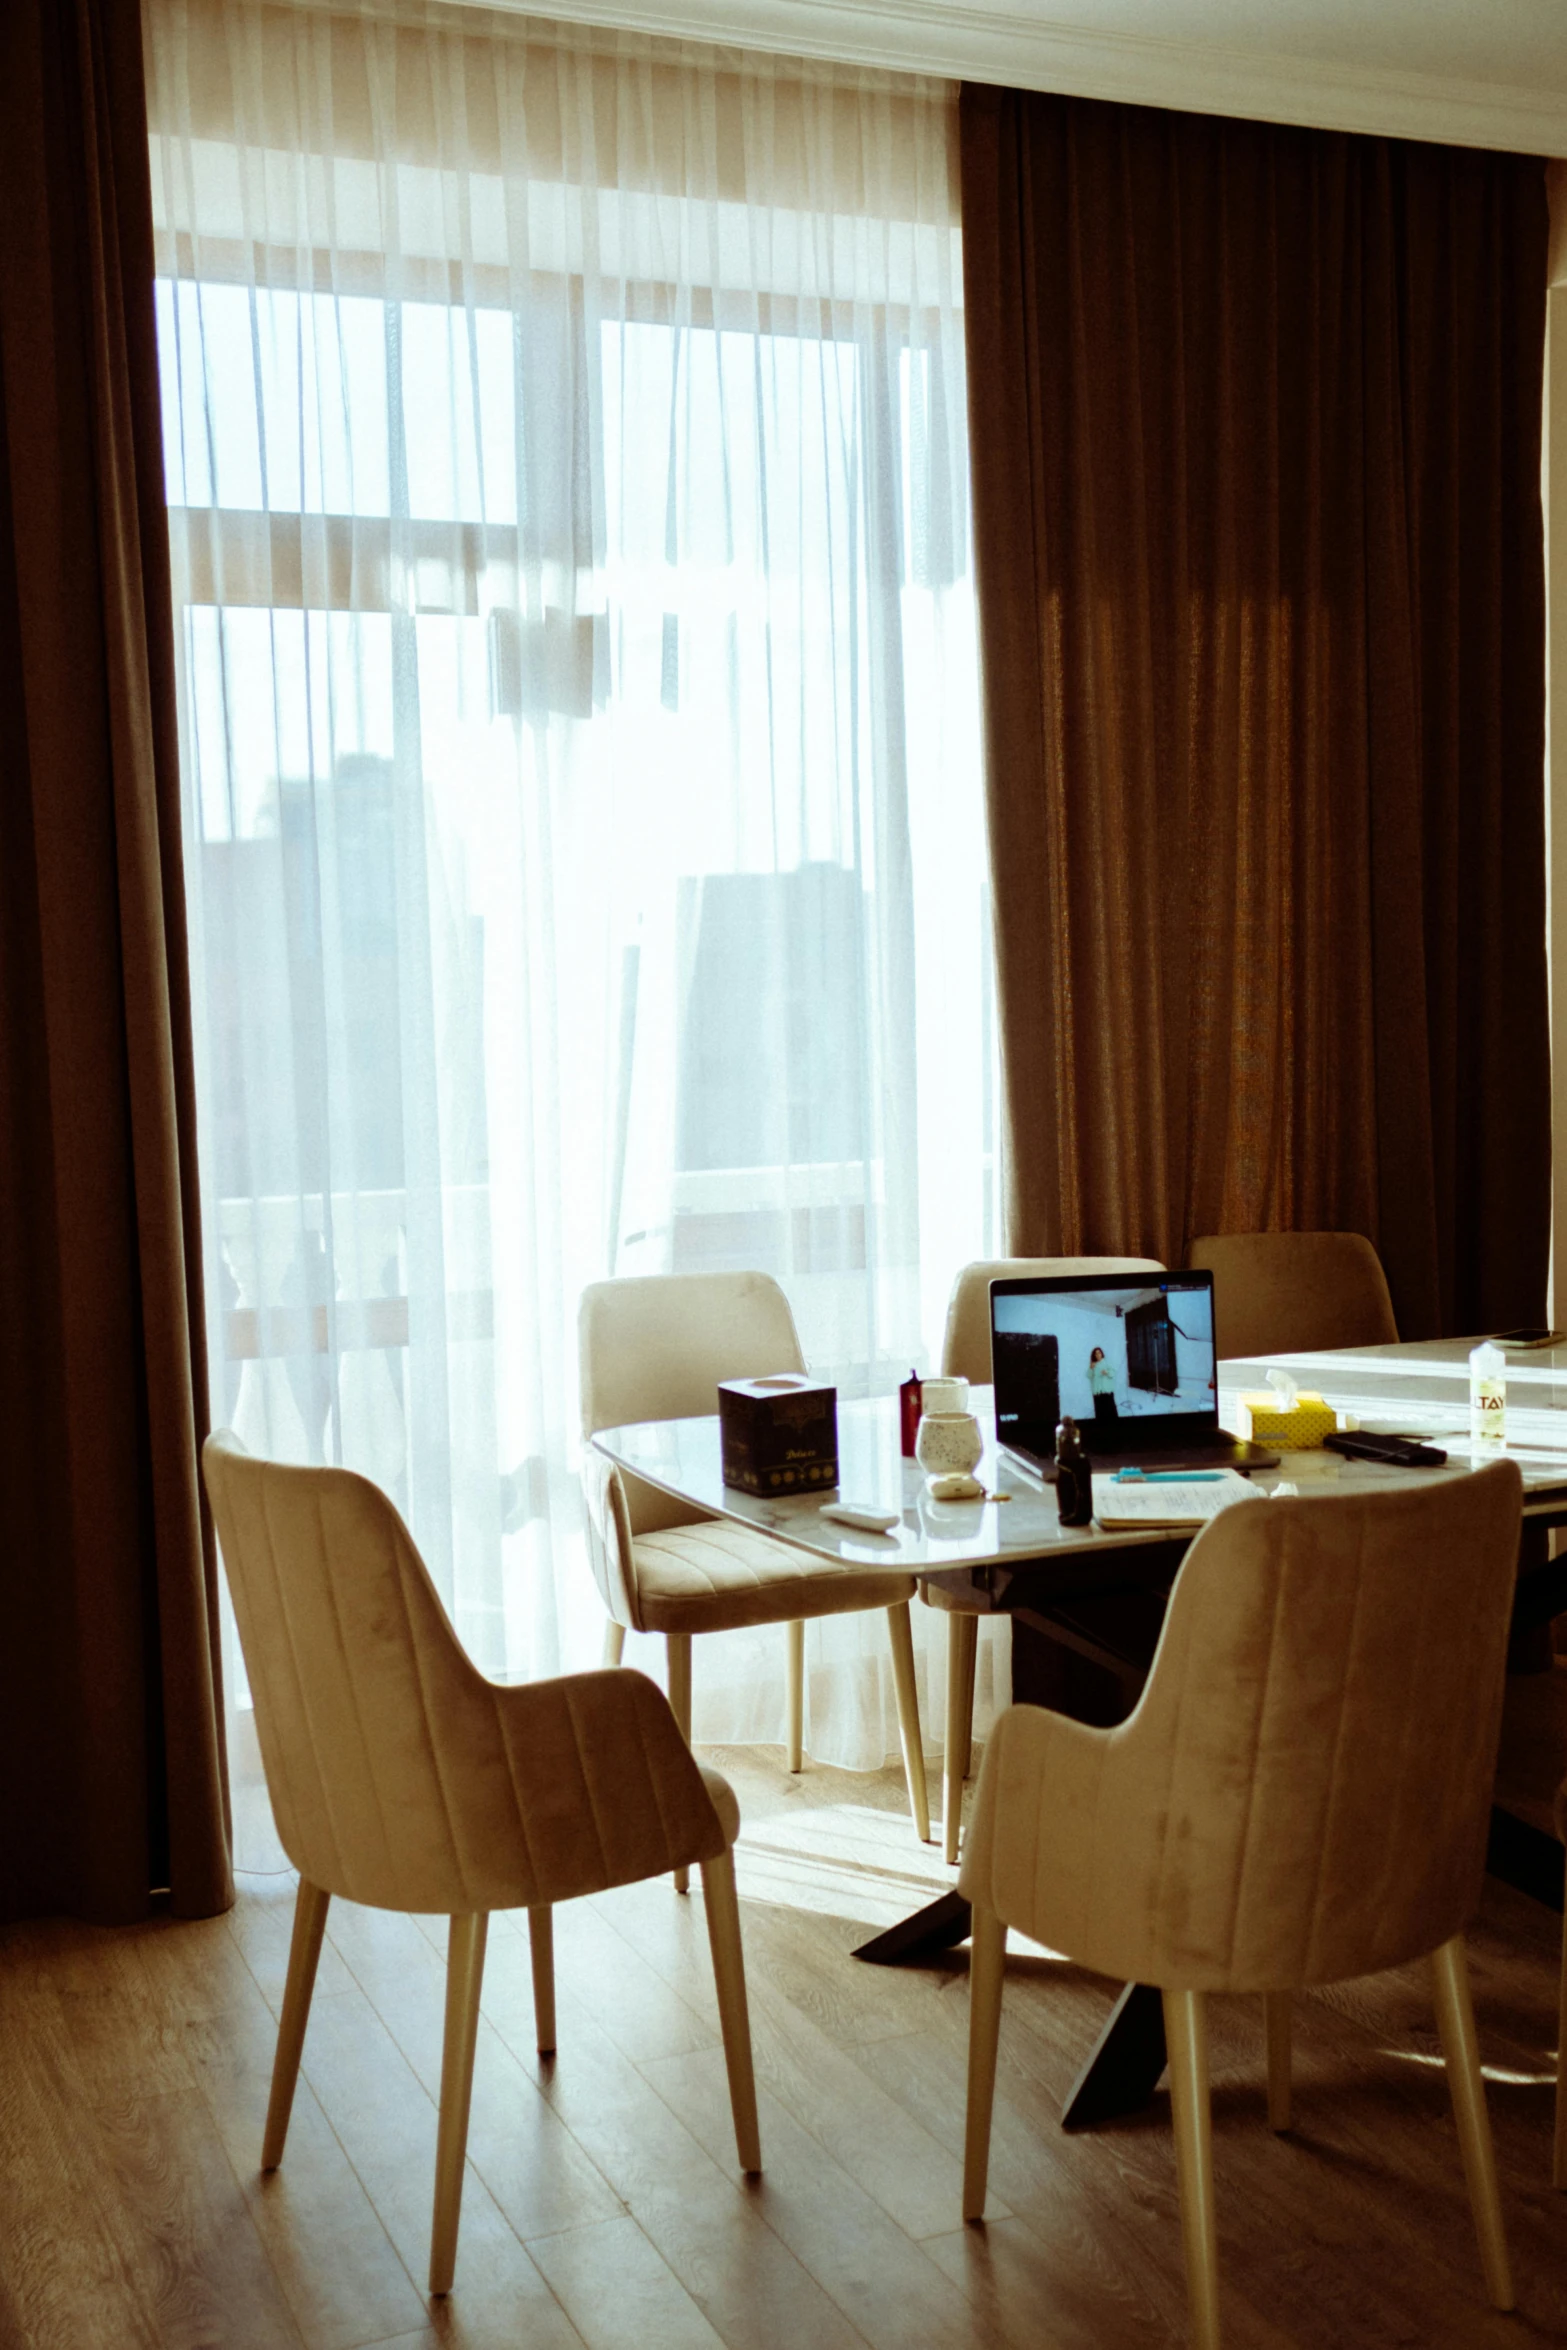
pixel 1133 1358
pixel 1169 1500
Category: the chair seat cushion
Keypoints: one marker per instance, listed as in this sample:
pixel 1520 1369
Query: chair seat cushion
pixel 718 1576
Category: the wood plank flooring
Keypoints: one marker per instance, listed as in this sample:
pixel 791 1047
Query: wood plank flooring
pixel 603 2210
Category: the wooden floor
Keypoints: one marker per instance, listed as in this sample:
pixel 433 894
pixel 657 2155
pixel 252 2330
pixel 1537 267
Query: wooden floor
pixel 603 2207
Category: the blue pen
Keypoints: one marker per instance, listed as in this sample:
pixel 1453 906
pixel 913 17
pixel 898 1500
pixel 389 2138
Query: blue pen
pixel 1169 1477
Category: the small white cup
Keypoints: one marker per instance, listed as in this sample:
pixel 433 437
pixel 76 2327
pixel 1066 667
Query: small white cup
pixel 948 1442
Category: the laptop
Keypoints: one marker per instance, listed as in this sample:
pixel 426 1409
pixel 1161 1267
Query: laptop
pixel 1132 1357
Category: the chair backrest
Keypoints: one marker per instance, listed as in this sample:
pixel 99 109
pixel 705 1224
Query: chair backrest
pixel 1296 1292
pixel 655 1348
pixel 965 1353
pixel 1303 1792
pixel 399 1775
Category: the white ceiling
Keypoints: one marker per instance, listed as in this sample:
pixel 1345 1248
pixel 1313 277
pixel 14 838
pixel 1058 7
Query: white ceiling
pixel 1487 73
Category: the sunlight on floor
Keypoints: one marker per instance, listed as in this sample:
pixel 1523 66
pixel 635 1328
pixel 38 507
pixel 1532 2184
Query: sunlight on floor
pixel 847 1861
pixel 1489 2072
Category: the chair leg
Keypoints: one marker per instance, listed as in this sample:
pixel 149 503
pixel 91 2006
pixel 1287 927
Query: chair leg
pixel 614 1644
pixel 987 1963
pixel 1186 2031
pixel 1559 2150
pixel 1277 2006
pixel 464 1980
pixel 541 1944
pixel 970 1668
pixel 1456 2024
pixel 910 1736
pixel 794 1689
pixel 723 1934
pixel 962 1640
pixel 304 1951
pixel 678 1645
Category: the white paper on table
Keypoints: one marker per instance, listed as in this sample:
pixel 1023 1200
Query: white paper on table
pixel 1167 1501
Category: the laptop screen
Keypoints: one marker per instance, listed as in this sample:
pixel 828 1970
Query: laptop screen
pixel 1131 1357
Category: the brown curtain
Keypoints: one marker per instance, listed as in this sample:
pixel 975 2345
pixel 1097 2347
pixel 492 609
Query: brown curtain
pixel 1255 422
pixel 111 1773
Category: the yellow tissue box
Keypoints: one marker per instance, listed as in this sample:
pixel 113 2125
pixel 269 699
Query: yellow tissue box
pixel 1300 1429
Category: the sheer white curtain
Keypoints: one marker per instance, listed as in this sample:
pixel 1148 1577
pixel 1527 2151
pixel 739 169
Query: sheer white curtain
pixel 567 475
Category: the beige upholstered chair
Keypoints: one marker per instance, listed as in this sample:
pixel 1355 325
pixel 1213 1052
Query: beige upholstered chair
pixel 402 1778
pixel 655 1349
pixel 1301 1795
pixel 966 1355
pixel 1279 1293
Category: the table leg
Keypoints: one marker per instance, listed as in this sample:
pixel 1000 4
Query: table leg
pixel 1128 2057
pixel 940 1925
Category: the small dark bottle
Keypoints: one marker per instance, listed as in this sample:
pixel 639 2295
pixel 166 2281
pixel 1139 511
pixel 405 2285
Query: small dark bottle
pixel 1074 1480
pixel 910 1402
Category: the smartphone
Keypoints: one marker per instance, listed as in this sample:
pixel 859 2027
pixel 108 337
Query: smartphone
pixel 1530 1338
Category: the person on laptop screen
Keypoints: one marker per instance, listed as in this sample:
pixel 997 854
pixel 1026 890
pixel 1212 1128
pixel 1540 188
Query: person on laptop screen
pixel 1101 1382
pixel 1133 1359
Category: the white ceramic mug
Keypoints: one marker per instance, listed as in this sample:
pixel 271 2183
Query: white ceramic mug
pixel 947 1441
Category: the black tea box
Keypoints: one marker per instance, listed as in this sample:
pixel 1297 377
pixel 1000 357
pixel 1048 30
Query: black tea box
pixel 779 1435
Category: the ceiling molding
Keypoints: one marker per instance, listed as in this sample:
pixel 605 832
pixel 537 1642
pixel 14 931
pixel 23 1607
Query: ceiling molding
pixel 1027 53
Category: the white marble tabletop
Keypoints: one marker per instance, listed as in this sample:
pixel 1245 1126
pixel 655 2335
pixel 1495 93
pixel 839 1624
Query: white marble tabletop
pixel 683 1457
pixel 1422 1390
pixel 1407 1388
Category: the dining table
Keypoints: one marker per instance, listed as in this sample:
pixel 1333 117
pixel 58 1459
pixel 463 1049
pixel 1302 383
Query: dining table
pixel 1097 1595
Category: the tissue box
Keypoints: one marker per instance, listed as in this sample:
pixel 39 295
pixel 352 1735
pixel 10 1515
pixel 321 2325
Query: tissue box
pixel 779 1436
pixel 1300 1428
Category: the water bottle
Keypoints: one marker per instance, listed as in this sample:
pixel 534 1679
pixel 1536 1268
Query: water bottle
pixel 1074 1479
pixel 1487 1394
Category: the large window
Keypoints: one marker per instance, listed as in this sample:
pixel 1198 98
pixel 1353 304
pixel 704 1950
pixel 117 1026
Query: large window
pixel 566 464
